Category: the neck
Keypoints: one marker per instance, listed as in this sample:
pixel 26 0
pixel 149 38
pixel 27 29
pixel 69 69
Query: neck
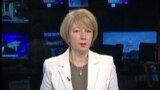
pixel 78 59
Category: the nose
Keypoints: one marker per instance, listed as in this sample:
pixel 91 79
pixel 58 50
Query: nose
pixel 83 35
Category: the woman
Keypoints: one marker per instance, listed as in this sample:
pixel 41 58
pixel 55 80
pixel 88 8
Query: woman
pixel 78 68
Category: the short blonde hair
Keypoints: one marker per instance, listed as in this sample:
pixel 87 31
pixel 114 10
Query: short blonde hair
pixel 80 15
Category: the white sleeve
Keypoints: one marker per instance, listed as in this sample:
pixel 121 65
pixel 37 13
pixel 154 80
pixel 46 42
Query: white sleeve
pixel 46 81
pixel 113 84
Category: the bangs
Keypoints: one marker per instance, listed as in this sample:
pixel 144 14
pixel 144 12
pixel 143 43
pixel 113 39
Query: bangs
pixel 84 22
pixel 88 23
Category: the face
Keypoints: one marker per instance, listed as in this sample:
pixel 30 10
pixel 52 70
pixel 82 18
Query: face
pixel 80 37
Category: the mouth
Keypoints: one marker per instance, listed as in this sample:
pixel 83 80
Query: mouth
pixel 83 44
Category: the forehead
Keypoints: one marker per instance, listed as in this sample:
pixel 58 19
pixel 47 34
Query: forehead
pixel 81 24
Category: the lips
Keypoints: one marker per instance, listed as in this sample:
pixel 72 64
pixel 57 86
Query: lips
pixel 83 44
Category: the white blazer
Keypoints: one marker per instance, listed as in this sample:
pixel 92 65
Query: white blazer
pixel 101 73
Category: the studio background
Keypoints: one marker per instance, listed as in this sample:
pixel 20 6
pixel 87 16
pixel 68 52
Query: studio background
pixel 129 30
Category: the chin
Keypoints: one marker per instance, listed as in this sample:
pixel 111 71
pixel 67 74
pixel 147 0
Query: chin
pixel 83 49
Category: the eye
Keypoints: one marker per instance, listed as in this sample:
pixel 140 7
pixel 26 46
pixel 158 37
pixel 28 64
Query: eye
pixel 76 30
pixel 89 31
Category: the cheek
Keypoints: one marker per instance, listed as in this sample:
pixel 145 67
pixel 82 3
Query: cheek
pixel 91 38
pixel 74 38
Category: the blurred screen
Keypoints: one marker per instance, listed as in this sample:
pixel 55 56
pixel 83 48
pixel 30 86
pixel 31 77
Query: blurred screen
pixel 55 42
pixel 15 45
pixel 78 3
pixel 53 39
pixel 130 41
pixel 14 11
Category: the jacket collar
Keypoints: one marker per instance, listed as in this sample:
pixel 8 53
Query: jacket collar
pixel 64 69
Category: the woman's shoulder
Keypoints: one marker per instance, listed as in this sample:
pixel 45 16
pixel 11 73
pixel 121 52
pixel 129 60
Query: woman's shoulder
pixel 51 64
pixel 106 62
pixel 57 60
pixel 53 60
pixel 102 57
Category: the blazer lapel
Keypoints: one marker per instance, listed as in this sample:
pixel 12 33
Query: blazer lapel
pixel 65 73
pixel 93 69
pixel 64 70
